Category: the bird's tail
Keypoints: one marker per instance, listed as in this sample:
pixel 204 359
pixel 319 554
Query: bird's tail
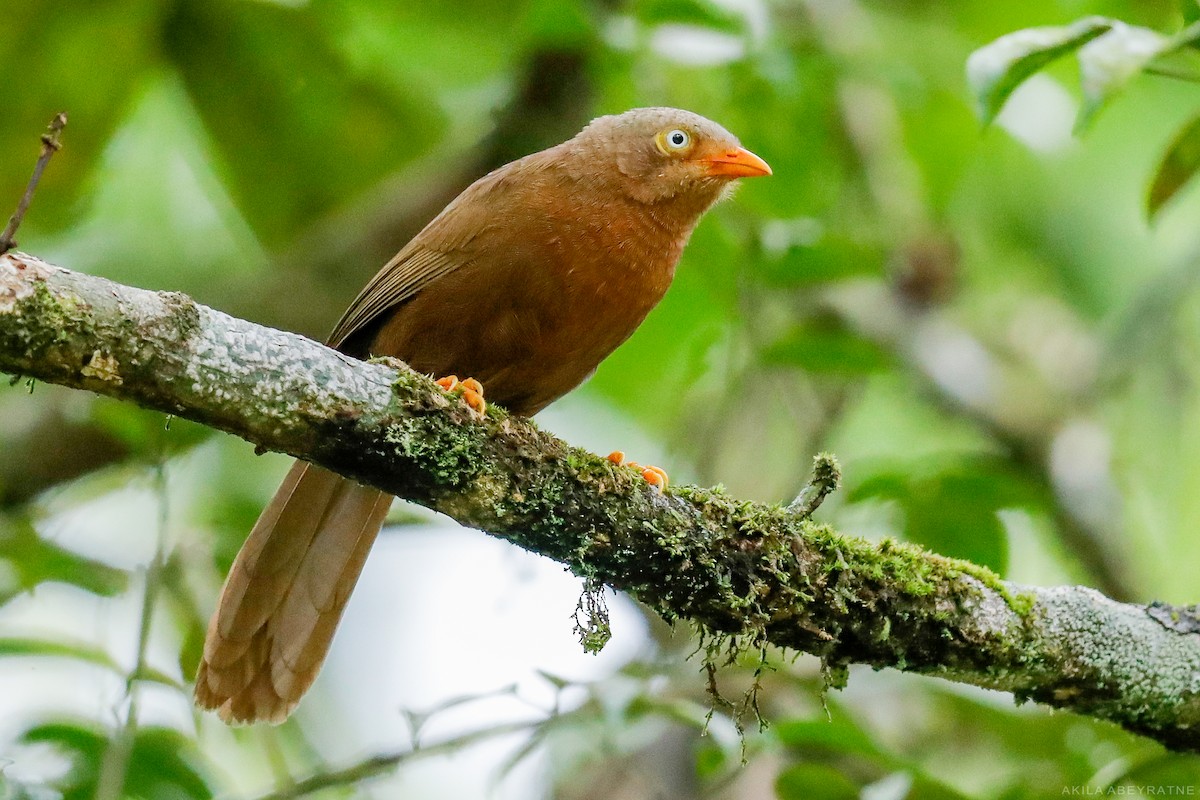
pixel 285 594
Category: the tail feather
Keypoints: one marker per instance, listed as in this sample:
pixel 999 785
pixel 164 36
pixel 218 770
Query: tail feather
pixel 273 551
pixel 285 594
pixel 331 567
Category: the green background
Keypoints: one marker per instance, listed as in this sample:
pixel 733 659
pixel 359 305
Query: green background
pixel 981 323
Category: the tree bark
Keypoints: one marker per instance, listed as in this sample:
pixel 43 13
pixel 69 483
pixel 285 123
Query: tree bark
pixel 757 574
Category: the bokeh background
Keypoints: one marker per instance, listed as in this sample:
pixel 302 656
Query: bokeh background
pixel 982 324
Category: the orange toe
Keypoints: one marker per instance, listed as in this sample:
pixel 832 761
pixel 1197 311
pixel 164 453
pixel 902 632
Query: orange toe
pixel 471 391
pixel 654 476
pixel 474 399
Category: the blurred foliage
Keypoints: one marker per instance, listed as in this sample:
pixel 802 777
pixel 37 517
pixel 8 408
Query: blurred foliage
pixel 161 762
pixel 985 327
pixel 29 560
pixel 1110 54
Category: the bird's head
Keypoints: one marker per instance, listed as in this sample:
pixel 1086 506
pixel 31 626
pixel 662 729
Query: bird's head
pixel 656 154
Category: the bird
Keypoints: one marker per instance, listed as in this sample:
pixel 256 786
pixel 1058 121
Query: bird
pixel 525 282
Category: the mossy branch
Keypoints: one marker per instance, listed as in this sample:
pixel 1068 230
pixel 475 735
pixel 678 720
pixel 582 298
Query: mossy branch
pixel 760 574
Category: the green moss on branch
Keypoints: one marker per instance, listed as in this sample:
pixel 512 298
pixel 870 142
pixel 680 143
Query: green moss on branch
pixel 757 574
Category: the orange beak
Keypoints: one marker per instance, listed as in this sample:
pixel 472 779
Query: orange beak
pixel 737 162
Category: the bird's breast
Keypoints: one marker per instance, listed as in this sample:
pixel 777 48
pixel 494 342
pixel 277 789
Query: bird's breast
pixel 594 283
pixel 534 314
pixel 616 269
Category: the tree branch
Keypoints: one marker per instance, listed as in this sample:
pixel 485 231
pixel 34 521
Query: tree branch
pixel 761 574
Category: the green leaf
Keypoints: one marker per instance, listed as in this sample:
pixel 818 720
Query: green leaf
pixel 806 781
pixel 149 434
pixel 1108 62
pixel 951 505
pixel 32 560
pixel 883 485
pixel 686 712
pixel 82 745
pixel 79 651
pixel 842 741
pixel 1189 36
pixel 1179 164
pixel 995 70
pixel 710 760
pixel 163 764
pixel 304 131
pixel 166 764
pixel 826 346
pixel 831 258
pixel 86 63
pixel 1159 770
pixel 839 734
pixel 561 23
pixel 16 646
pixel 954 516
pixel 689 12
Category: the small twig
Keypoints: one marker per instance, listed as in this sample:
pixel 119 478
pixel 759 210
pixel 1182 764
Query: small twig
pixel 380 764
pixel 114 766
pixel 827 476
pixel 418 719
pixel 50 145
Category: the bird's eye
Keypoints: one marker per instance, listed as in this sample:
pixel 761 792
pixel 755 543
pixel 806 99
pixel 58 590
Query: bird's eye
pixel 674 140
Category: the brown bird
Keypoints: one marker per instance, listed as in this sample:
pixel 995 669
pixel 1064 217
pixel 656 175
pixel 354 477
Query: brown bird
pixel 526 281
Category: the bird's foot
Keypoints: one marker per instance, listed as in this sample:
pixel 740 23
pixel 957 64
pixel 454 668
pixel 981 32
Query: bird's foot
pixel 655 476
pixel 470 389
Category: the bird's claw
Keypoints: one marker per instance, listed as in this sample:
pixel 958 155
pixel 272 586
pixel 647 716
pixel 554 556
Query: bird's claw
pixel 655 476
pixel 471 390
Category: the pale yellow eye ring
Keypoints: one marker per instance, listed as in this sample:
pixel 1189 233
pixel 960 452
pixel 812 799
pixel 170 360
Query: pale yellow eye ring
pixel 673 141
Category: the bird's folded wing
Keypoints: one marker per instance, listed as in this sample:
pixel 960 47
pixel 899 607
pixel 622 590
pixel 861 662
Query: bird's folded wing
pixel 398 281
pixel 443 246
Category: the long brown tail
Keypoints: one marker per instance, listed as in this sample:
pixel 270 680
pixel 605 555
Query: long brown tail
pixel 285 594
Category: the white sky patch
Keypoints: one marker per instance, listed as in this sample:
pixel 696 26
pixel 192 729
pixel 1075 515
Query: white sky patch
pixel 1080 455
pixel 956 361
pixel 696 46
pixel 777 236
pixel 753 12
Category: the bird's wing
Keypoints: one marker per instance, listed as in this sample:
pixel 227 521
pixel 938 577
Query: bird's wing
pixel 407 273
pixel 443 246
